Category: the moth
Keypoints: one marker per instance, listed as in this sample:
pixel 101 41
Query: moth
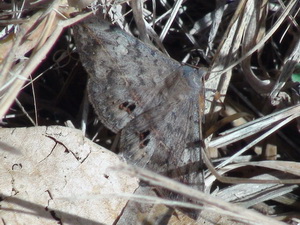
pixel 149 97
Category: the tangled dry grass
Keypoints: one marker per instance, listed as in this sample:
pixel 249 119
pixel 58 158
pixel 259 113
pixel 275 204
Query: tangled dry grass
pixel 251 50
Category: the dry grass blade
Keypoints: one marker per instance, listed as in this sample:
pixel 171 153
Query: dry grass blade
pixel 250 50
pixel 288 68
pixel 274 129
pixel 227 52
pixel 171 19
pixel 280 20
pixel 137 9
pixel 255 126
pixel 237 180
pixel 209 203
pixel 20 72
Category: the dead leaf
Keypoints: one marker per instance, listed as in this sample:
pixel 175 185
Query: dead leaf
pixel 59 176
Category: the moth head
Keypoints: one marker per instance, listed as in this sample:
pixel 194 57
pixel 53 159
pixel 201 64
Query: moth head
pixel 193 76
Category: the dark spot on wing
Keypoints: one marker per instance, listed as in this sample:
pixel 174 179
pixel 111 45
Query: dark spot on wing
pixel 144 140
pixel 128 107
pixel 144 134
pixel 144 143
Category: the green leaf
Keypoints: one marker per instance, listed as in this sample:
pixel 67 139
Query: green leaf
pixel 296 77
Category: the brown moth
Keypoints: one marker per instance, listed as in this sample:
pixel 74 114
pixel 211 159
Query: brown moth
pixel 149 97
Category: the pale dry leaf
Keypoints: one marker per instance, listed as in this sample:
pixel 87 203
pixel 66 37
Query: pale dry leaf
pixel 47 183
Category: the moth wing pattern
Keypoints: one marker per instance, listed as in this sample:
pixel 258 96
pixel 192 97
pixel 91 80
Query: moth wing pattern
pixel 152 97
pixel 157 139
pixel 124 72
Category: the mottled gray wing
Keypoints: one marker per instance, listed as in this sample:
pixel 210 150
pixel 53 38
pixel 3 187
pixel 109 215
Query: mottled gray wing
pixel 152 97
pixel 125 74
pixel 158 139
